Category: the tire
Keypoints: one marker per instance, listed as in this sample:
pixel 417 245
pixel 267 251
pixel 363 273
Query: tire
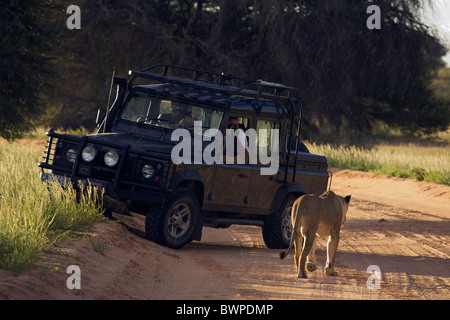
pixel 174 225
pixel 277 228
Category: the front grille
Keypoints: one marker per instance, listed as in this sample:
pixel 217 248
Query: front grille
pixel 130 171
pixel 55 157
pixel 127 173
pixel 97 169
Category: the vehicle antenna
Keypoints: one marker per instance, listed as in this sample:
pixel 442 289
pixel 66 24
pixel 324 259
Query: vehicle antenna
pixel 109 98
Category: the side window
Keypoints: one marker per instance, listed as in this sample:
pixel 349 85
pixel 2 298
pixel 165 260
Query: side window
pixel 166 107
pixel 237 126
pixel 264 129
pixel 243 123
pixel 216 118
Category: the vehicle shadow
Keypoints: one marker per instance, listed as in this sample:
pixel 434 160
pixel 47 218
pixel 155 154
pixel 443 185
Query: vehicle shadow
pixel 135 224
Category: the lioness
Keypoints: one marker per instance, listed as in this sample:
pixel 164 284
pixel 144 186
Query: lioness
pixel 312 215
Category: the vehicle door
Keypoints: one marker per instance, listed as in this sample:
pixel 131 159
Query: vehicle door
pixel 263 186
pixel 232 180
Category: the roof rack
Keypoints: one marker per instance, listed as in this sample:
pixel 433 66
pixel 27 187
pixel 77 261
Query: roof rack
pixel 220 83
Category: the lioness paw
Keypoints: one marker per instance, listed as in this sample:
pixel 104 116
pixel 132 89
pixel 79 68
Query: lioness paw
pixel 311 266
pixel 330 272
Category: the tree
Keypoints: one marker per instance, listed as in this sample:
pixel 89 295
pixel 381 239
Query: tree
pixel 349 77
pixel 26 66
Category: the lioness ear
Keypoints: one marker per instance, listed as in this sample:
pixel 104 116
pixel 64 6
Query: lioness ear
pixel 347 198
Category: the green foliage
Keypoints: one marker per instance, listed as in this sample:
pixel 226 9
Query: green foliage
pixel 441 84
pixel 27 48
pixel 349 78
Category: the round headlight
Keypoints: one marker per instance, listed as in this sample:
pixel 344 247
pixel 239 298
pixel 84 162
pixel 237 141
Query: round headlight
pixel 88 153
pixel 71 154
pixel 148 171
pixel 111 158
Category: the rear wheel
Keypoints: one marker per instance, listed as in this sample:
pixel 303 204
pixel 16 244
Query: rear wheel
pixel 277 228
pixel 174 225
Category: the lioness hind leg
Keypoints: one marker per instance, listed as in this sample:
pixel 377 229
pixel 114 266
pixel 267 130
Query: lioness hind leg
pixel 307 245
pixel 332 245
pixel 311 259
pixel 298 250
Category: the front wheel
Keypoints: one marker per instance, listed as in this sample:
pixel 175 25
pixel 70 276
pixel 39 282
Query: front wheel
pixel 173 226
pixel 277 228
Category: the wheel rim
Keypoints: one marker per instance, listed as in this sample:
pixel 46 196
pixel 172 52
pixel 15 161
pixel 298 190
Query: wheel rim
pixel 286 225
pixel 179 220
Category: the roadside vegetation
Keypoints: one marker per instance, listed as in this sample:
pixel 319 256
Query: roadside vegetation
pixel 423 163
pixel 33 214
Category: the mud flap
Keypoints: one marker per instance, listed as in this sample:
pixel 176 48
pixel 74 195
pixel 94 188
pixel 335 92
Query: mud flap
pixel 197 235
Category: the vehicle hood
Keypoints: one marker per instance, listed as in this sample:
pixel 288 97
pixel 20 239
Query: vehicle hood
pixel 138 144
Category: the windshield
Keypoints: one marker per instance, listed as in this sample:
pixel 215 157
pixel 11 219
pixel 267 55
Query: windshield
pixel 172 114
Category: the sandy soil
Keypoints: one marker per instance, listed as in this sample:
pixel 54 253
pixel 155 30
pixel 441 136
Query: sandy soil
pixel 402 226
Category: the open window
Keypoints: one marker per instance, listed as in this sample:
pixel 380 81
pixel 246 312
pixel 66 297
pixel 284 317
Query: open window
pixel 265 128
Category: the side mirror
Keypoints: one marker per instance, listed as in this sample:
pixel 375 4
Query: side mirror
pixel 101 114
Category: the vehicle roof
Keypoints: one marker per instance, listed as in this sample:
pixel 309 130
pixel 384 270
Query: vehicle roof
pixel 218 89
pixel 216 99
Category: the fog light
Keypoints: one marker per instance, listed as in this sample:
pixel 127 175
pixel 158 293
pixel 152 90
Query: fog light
pixel 71 154
pixel 88 154
pixel 148 171
pixel 111 158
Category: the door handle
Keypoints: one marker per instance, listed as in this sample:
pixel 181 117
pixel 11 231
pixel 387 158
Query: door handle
pixel 242 175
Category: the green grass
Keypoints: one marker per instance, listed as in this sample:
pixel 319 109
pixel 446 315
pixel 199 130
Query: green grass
pixel 34 214
pixel 408 161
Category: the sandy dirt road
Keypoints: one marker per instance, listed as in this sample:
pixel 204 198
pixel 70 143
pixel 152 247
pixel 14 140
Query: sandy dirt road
pixel 402 226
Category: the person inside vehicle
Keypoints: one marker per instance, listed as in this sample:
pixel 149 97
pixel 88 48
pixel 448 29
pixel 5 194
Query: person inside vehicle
pixel 181 115
pixel 233 125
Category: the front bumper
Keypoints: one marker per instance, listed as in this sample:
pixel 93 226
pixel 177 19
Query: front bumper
pixel 118 185
pixel 116 199
pixel 108 202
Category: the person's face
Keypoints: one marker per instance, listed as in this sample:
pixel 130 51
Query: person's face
pixel 233 124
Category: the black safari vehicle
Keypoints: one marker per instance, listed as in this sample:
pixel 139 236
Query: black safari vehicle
pixel 130 158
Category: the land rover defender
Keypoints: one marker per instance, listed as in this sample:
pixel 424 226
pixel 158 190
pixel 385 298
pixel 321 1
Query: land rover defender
pixel 131 157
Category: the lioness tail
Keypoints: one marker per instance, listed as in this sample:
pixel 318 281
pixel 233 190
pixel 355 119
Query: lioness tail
pixel 283 253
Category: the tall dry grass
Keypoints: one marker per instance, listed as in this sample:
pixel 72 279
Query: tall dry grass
pixel 408 161
pixel 33 214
